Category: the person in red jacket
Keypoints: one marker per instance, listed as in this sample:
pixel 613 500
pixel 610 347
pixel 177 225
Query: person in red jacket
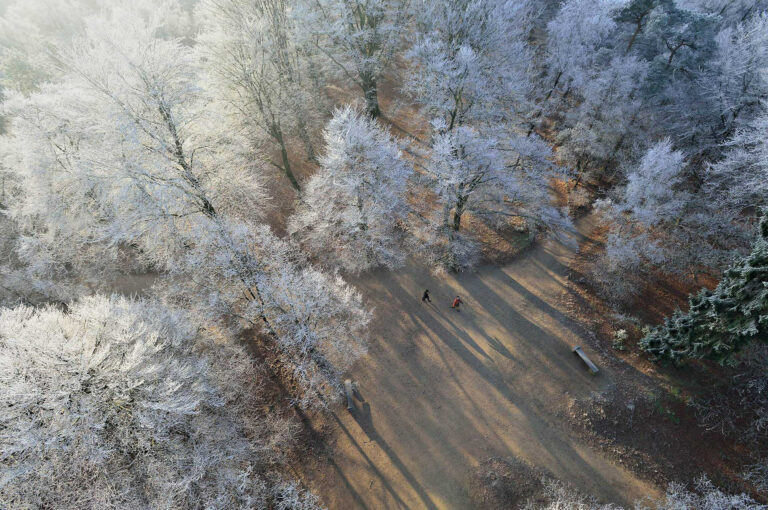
pixel 456 302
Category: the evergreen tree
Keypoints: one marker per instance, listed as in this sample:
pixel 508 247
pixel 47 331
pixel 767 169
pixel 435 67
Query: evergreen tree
pixel 720 322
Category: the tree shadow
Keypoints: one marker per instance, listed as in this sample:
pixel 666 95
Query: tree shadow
pixel 534 300
pixel 385 483
pixel 499 347
pixel 364 419
pixel 551 439
pixel 460 339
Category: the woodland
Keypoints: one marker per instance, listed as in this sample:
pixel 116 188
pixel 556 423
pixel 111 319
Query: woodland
pixel 250 160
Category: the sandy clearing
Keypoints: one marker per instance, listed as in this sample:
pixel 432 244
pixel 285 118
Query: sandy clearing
pixel 444 389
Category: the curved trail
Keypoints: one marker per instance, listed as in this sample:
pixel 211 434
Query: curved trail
pixel 444 390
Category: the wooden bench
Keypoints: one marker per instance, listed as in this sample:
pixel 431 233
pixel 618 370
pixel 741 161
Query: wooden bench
pixel 349 391
pixel 585 359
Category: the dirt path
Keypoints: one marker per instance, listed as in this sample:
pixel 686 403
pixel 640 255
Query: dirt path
pixel 444 390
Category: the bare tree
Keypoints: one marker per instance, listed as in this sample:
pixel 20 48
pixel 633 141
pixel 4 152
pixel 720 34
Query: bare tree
pixel 357 37
pixel 272 84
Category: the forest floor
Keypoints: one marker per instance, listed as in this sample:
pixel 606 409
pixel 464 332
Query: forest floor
pixel 648 420
pixel 443 390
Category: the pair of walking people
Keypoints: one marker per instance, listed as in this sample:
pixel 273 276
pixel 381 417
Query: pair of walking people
pixel 455 305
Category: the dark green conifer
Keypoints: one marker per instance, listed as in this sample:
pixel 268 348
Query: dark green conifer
pixel 720 322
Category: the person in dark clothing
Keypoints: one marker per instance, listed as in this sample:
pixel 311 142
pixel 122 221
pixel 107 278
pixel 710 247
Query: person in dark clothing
pixel 425 297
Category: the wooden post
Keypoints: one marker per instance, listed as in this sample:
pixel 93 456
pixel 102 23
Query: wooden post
pixel 350 395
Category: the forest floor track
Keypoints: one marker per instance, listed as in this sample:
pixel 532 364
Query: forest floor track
pixel 444 390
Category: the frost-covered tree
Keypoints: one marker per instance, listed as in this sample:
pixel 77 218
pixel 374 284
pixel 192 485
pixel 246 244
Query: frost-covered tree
pixel 703 495
pixel 357 37
pixel 628 262
pixel 676 41
pixel 679 46
pixel 653 199
pixel 702 90
pixel 491 179
pixel 681 36
pixel 608 118
pixel 470 60
pixel 33 34
pixel 740 179
pixel 656 68
pixel 352 211
pixel 738 83
pixel 124 404
pixel 123 150
pixel 732 12
pixel 636 13
pixel 314 323
pixel 625 89
pixel 633 72
pixel 585 56
pixel 662 220
pixel 123 154
pixel 480 174
pixel 654 193
pixel 28 32
pixel 24 271
pixel 719 323
pixel 573 36
pixel 267 79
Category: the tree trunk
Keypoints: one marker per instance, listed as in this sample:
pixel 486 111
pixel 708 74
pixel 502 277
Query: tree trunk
pixel 278 133
pixel 304 135
pixel 181 159
pixel 546 98
pixel 456 108
pixel 363 228
pixel 371 93
pixel 673 52
pixel 457 219
pixel 635 34
pixel 567 91
pixel 453 118
pixel 620 141
pixel 458 211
